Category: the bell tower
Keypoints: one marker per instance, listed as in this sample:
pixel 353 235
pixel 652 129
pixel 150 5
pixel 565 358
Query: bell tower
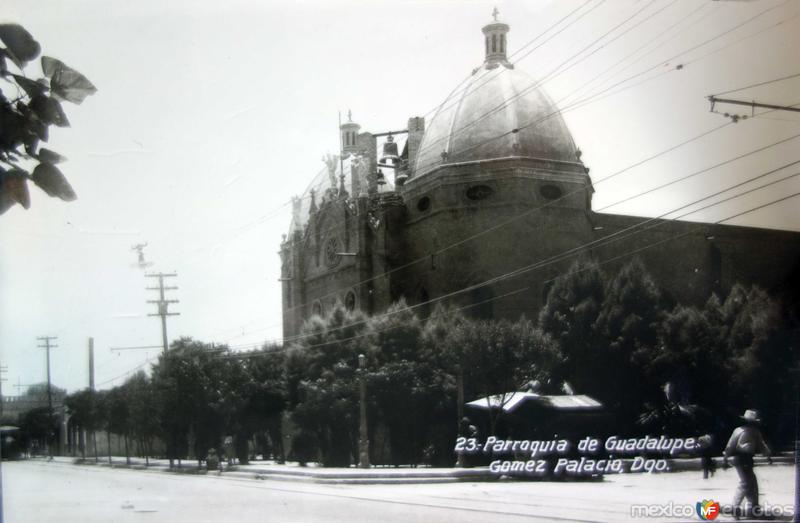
pixel 495 40
pixel 349 134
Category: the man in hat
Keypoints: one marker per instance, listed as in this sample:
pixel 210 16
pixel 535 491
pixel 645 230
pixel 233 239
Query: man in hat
pixel 746 441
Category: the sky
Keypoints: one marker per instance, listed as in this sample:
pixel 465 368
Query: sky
pixel 210 116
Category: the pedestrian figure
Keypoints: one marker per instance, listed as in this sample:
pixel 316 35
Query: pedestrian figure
pixel 212 461
pixel 745 442
pixel 707 455
pixel 227 446
pixel 467 430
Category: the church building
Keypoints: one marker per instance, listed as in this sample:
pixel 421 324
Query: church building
pixel 482 207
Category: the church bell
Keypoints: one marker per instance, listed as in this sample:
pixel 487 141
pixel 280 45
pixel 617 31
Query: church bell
pixel 390 156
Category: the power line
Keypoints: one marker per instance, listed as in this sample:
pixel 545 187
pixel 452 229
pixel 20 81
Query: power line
pixel 516 273
pixel 652 42
pixel 650 69
pixel 523 214
pixel 243 228
pixel 137 367
pixel 561 256
pixel 742 39
pixel 606 238
pixel 512 219
pixel 759 84
pixel 763 206
pixel 536 84
pixel 439 107
pixel 531 211
pixel 269 215
pixel 561 111
pixel 696 173
pixel 577 104
pixel 455 91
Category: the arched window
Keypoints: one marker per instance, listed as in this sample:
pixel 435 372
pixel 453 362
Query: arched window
pixel 487 45
pixel 502 43
pixel 316 309
pixel 494 43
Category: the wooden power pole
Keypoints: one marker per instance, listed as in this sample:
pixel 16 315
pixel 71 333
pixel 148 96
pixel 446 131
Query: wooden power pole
pixel 163 303
pixel 47 346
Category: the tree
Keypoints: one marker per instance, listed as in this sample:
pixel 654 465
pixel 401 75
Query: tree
pixel 144 423
pixel 84 414
pixel 37 427
pixel 321 376
pixel 118 416
pixel 266 396
pixel 182 395
pixel 500 357
pixel 27 114
pixel 569 315
pixel 410 392
pixel 626 332
pixel 759 343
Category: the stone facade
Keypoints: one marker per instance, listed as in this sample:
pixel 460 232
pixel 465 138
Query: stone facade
pixel 484 192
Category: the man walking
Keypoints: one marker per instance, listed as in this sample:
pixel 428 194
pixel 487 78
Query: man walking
pixel 745 442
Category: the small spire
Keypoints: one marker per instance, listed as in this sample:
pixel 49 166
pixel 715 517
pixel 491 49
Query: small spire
pixel 313 206
pixel 495 40
pixel 349 135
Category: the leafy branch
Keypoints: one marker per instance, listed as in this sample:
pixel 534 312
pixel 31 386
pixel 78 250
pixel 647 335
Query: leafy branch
pixel 25 120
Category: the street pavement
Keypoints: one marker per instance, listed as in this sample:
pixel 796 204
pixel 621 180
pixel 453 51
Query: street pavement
pixel 41 491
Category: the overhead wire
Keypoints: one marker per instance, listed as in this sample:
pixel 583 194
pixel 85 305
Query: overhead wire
pixel 526 268
pixel 584 101
pixel 528 212
pixel 619 235
pixel 616 236
pixel 759 84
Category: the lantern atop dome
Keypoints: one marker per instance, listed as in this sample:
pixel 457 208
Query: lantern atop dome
pixel 495 40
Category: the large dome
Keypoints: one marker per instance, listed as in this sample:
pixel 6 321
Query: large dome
pixel 498 113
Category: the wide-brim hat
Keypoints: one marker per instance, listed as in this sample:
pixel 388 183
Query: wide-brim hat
pixel 751 416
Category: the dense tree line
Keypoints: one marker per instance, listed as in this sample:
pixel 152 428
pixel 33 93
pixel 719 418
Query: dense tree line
pixel 657 366
pixel 196 396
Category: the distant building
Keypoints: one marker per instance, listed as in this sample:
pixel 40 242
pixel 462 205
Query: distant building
pixel 372 228
pixel 14 406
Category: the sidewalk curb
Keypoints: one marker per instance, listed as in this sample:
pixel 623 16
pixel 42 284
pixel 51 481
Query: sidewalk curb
pixel 376 476
pixel 309 475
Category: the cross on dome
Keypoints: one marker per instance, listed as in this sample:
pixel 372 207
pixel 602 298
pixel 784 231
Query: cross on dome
pixel 495 40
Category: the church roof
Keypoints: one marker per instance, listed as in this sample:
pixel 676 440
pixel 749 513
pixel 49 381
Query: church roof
pixel 477 122
pixel 509 402
pixel 321 185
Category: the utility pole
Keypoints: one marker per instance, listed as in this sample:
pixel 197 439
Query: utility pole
pixel 3 370
pixel 363 434
pixel 163 303
pixel 47 345
pixel 91 363
pixel 19 386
